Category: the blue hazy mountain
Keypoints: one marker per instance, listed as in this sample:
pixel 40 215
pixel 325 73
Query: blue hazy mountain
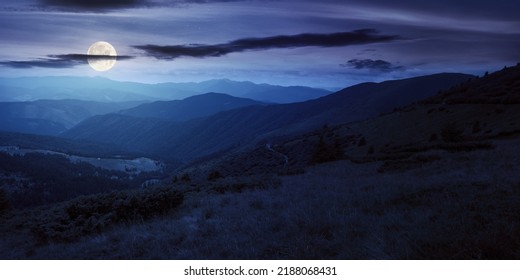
pixel 52 117
pixel 480 114
pixel 245 126
pixel 64 145
pixel 106 90
pixel 189 108
pixel 79 88
pixel 261 92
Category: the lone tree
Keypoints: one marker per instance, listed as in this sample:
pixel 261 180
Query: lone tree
pixel 362 141
pixel 214 175
pixel 451 133
pixel 476 127
pixel 324 151
pixel 186 178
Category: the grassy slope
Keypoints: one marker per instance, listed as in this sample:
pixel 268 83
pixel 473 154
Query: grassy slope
pixel 413 197
pixel 464 205
pixel 418 127
pixel 245 126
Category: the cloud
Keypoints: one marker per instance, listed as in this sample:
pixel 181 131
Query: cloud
pixel 95 4
pixel 107 5
pixel 60 61
pixel 497 9
pixel 363 36
pixel 372 65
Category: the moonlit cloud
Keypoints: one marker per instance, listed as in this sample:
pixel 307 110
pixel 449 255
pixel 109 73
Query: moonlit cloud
pixel 373 65
pixel 60 61
pixel 94 4
pixel 165 37
pixel 357 37
pixel 110 5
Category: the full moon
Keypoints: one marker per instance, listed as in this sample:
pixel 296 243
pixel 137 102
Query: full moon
pixel 106 51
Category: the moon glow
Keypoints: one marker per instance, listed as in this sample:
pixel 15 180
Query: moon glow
pixel 100 56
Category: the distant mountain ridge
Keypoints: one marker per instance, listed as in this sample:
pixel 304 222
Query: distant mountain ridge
pixel 465 117
pixel 244 126
pixel 106 90
pixel 260 92
pixel 189 108
pixel 69 146
pixel 501 87
pixel 52 117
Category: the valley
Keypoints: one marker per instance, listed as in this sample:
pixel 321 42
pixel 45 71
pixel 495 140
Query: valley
pixel 128 166
pixel 420 168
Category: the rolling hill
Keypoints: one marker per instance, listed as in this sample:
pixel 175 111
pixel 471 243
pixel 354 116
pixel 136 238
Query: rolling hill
pixel 245 126
pixel 106 90
pixel 261 92
pixel 79 88
pixel 478 114
pixel 52 117
pixel 64 145
pixel 189 108
pixel 438 179
pixel 434 179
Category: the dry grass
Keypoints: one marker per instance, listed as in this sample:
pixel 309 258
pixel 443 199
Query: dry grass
pixel 460 206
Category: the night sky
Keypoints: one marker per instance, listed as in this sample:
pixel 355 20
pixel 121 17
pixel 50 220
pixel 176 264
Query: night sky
pixel 330 43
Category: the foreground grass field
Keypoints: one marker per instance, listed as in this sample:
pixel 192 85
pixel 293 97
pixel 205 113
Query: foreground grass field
pixel 463 205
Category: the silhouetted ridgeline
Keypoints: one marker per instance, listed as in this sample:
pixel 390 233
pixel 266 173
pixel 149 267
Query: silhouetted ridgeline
pixel 245 126
pixel 52 117
pixel 501 87
pixel 105 90
pixel 190 108
pixel 64 145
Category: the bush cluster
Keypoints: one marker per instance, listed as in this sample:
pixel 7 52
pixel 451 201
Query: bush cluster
pixel 450 133
pixel 92 214
pixel 214 175
pixel 4 201
pixel 327 150
pixel 53 178
pixel 239 184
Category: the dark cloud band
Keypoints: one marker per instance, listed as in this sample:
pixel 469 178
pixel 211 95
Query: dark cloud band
pixel 94 4
pixel 363 36
pixel 60 61
pixel 373 65
pixel 107 5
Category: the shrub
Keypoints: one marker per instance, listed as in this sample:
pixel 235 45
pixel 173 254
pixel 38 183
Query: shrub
pixel 324 151
pixel 4 201
pixel 92 214
pixel 239 184
pixel 214 175
pixel 451 133
pixel 292 171
pixel 362 142
pixel 186 178
pixel 476 127
pixel 466 146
